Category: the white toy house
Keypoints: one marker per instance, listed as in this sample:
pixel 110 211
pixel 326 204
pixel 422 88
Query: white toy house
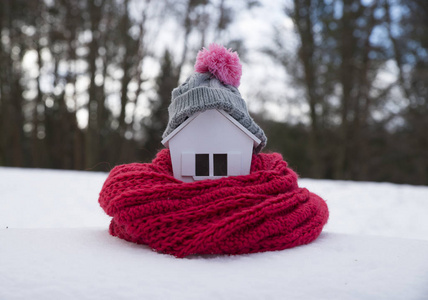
pixel 210 145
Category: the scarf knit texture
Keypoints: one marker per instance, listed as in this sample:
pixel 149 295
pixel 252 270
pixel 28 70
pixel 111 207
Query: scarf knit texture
pixel 263 211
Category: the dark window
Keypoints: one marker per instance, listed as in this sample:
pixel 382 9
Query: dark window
pixel 220 164
pixel 202 165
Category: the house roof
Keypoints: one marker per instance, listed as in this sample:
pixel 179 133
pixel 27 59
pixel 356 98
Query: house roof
pixel 255 139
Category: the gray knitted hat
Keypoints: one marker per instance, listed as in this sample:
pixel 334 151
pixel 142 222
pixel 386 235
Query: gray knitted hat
pixel 214 86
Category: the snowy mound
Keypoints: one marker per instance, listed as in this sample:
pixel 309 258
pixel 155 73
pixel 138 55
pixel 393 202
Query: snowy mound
pixel 54 244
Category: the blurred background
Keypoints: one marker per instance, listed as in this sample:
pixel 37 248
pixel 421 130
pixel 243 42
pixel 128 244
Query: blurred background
pixel 339 86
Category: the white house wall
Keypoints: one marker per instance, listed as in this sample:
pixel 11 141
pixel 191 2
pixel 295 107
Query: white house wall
pixel 210 132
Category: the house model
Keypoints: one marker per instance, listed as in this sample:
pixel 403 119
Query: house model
pixel 210 145
pixel 210 133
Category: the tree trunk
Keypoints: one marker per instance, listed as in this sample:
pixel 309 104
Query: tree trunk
pixel 304 25
pixel 92 140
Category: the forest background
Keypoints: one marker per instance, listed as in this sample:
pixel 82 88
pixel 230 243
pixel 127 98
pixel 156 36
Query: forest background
pixel 339 86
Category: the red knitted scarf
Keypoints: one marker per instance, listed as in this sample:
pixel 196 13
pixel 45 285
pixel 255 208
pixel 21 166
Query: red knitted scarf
pixel 262 211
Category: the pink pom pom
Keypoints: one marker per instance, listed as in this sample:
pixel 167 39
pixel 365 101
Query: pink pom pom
pixel 221 62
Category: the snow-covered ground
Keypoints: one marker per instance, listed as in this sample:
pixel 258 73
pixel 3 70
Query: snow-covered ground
pixel 35 198
pixel 54 244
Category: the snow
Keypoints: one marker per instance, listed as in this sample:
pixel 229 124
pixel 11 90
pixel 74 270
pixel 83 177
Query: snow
pixel 40 198
pixel 369 208
pixel 90 264
pixel 54 244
